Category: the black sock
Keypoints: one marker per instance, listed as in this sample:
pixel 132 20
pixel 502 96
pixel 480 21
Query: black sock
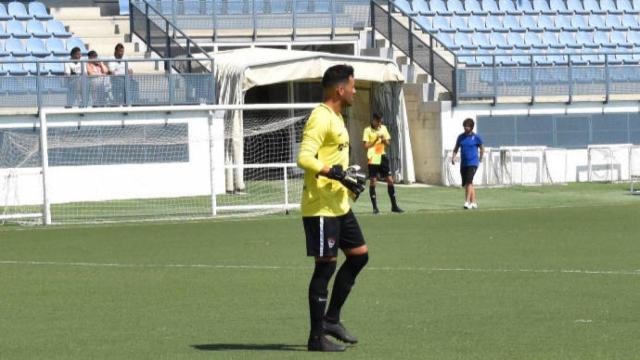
pixel 392 195
pixel 318 294
pixel 343 283
pixel 372 195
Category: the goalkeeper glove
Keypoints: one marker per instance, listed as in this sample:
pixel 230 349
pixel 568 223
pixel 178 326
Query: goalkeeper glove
pixel 351 178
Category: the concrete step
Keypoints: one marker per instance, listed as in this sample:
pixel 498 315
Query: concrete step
pixel 99 27
pixel 71 13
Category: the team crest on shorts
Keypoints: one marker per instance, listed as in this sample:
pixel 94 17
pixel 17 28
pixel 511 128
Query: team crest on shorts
pixel 331 242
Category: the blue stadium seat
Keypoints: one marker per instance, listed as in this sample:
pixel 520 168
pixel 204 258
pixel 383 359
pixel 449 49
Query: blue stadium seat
pixel 543 7
pixel 522 59
pixel 506 60
pixel 457 7
pixel 4 16
pixel 558 59
pixel 630 21
pixel 626 7
pixel 56 47
pixel 16 48
pixel 500 41
pixel 422 7
pixel 594 59
pixel 30 67
pixel 53 68
pixel 629 59
pixel 492 7
pixel 512 23
pixel 438 24
pixel 403 5
pixel 57 29
pixel 613 22
pixel 439 7
pixel 516 39
pixel 636 4
pixel 484 57
pixel 3 52
pixel 3 33
pixel 36 29
pixel 464 41
pixel 547 22
pixel 39 11
pixel 14 68
pixel 568 39
pixel 592 6
pixel 564 23
pixel 585 38
pixel 598 22
pixel 483 42
pixel 580 23
pixel 425 22
pixel 619 39
pixel 475 7
pixel 576 7
pixel 18 11
pixel 633 37
pixel 447 40
pixel 526 7
pixel 509 7
pixel 478 24
pixel 602 38
pixel 77 42
pixel 559 7
pixel 551 39
pixel 495 23
pixel 533 39
pixel 37 48
pixel 460 23
pixel 606 6
pixel 529 23
pixel 16 29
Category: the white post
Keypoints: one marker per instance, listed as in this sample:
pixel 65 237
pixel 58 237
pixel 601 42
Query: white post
pixel 44 151
pixel 588 165
pixel 212 166
pixel 286 189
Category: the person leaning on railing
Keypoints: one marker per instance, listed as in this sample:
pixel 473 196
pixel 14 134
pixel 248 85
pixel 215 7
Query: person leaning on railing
pixel 71 68
pixel 118 68
pixel 99 82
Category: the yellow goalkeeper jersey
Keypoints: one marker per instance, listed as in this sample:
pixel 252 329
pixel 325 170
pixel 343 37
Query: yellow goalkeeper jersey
pixel 325 141
pixel 374 153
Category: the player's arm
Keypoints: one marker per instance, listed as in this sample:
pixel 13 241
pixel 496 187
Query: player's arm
pixel 455 152
pixel 385 137
pixel 312 138
pixel 481 146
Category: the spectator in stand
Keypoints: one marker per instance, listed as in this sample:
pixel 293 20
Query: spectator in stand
pixel 118 67
pixel 99 81
pixel 74 67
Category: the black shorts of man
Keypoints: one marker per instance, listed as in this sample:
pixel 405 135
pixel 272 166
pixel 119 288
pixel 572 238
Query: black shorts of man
pixel 328 221
pixel 468 142
pixel 375 139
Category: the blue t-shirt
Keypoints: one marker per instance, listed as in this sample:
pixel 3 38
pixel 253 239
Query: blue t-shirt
pixel 469 149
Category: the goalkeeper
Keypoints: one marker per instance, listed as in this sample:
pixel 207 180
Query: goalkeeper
pixel 329 223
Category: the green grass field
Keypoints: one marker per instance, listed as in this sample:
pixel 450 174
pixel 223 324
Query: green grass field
pixel 536 273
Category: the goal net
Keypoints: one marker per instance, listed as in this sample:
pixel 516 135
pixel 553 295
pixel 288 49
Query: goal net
pixel 523 165
pixel 634 171
pixel 112 166
pixel 609 162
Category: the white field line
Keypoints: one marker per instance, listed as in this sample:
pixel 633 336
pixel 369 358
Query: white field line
pixel 276 267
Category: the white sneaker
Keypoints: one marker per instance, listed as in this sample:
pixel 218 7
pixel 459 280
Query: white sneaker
pixel 467 205
pixel 473 205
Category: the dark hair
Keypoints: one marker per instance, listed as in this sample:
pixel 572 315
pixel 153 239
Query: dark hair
pixel 336 74
pixel 377 116
pixel 92 53
pixel 119 46
pixel 75 50
pixel 468 122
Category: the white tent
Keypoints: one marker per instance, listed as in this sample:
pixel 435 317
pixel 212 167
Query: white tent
pixel 239 70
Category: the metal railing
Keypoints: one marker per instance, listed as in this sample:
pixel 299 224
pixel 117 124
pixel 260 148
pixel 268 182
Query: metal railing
pixel 44 83
pixel 257 16
pixel 531 76
pixel 418 51
pixel 166 39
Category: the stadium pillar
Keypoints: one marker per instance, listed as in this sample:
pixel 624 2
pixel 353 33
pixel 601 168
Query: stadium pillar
pixel 372 39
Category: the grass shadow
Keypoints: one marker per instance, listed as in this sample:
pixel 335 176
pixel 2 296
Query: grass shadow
pixel 251 347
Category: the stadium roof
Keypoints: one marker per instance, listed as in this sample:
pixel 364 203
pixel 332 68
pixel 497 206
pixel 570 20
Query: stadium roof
pixel 262 66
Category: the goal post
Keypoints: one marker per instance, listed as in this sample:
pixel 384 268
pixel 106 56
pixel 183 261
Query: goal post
pixel 634 168
pixel 609 162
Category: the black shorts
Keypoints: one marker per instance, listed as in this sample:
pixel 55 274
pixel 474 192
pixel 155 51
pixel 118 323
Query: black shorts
pixel 467 173
pixel 325 235
pixel 380 171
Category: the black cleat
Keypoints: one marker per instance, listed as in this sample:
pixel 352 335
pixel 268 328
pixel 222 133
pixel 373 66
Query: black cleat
pixel 321 343
pixel 338 331
pixel 376 211
pixel 396 209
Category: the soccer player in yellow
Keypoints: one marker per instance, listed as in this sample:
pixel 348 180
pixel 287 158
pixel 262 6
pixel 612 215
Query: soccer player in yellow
pixel 375 139
pixel 328 221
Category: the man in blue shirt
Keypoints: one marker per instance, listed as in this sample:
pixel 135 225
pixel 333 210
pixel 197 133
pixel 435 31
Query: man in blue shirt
pixel 468 142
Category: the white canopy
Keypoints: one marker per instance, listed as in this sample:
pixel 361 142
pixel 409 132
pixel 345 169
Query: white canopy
pixel 239 70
